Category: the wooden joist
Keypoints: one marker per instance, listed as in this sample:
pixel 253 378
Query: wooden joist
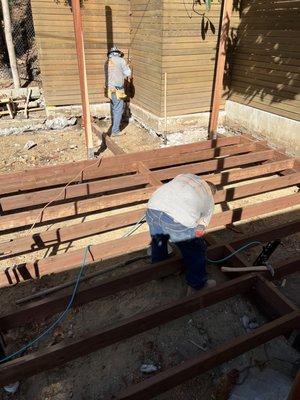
pixel 41 309
pixel 98 187
pixel 71 349
pixel 95 204
pixel 172 377
pixel 46 176
pixel 63 234
pixel 121 181
pixel 118 247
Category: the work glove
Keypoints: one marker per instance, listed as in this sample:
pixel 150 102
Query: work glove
pixel 200 231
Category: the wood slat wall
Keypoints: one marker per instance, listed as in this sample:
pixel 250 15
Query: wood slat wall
pixel 266 62
pixel 146 53
pixel 189 55
pixel 55 35
pixel 167 36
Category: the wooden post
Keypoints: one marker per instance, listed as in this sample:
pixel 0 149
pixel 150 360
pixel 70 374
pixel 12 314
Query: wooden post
pixel 82 77
pixel 9 43
pixel 219 71
pixel 165 109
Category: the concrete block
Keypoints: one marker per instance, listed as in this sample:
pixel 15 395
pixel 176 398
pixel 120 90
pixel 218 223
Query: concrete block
pixel 174 123
pixel 280 131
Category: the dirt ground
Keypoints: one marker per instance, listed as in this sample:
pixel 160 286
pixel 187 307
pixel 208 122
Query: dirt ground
pixel 115 367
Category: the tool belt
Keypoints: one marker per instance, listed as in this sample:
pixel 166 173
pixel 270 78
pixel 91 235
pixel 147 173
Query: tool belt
pixel 119 92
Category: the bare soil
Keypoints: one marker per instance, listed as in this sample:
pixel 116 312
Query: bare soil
pixel 115 367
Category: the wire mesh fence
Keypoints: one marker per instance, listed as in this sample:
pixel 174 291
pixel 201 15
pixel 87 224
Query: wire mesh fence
pixel 25 45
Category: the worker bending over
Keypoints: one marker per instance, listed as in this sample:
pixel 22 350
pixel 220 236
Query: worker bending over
pixel 180 211
pixel 117 71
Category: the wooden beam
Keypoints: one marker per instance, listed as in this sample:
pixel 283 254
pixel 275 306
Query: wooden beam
pixel 88 228
pixel 53 304
pixel 39 310
pixel 153 181
pixel 118 247
pixel 80 207
pixel 82 77
pixel 220 66
pixel 68 350
pixel 172 377
pixel 121 166
pixel 41 197
pixel 38 241
pixel 252 189
pixel 46 176
pixel 269 299
pixel 220 163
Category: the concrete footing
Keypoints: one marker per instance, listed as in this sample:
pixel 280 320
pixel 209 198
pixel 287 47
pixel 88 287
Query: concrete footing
pixel 174 124
pixel 280 131
pixel 97 110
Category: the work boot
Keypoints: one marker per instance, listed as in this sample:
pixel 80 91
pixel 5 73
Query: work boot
pixel 210 283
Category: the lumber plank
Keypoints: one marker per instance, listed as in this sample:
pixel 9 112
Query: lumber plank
pixel 61 174
pixel 79 190
pixel 172 377
pixel 77 208
pixel 148 174
pixel 112 145
pixel 269 298
pixel 108 162
pixel 88 228
pixel 118 247
pixel 44 308
pixel 71 349
pixel 221 163
pixel 266 185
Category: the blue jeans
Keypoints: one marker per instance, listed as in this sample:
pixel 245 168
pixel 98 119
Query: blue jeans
pixel 162 228
pixel 117 106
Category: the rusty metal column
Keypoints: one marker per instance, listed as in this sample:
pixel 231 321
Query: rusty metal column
pixel 86 114
pixel 220 66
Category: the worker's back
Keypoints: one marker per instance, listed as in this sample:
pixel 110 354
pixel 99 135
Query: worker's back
pixel 118 70
pixel 187 199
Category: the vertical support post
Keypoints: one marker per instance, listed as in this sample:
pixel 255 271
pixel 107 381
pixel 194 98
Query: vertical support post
pixel 9 43
pixel 219 70
pixel 165 109
pixel 82 77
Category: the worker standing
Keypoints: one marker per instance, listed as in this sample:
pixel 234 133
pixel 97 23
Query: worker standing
pixel 180 211
pixel 118 70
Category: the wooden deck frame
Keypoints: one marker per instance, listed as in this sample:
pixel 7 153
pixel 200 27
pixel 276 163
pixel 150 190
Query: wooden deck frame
pixel 38 310
pixel 250 159
pixel 71 349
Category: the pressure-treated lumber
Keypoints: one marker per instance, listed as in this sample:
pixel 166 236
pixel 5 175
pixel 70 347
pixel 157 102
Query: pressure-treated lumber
pixel 77 208
pixel 69 350
pixel 46 176
pixel 271 300
pixel 76 231
pixel 124 165
pixel 81 60
pixel 117 247
pixel 41 309
pixel 41 197
pixel 220 67
pixel 74 348
pixel 172 377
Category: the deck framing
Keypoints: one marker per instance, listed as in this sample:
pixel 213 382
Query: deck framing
pixel 125 180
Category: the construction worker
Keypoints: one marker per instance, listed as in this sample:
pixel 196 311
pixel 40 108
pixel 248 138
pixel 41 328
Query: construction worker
pixel 180 211
pixel 117 71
